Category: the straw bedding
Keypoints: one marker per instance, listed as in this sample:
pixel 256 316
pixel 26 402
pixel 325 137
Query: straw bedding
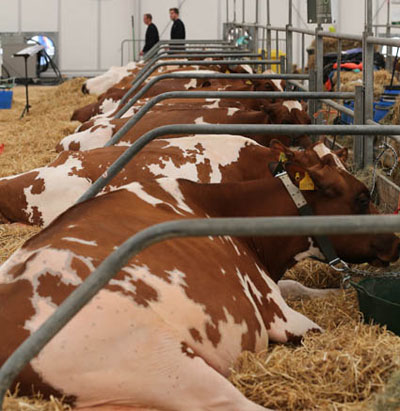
pixel 30 142
pixel 341 369
pixel 331 46
pixel 349 80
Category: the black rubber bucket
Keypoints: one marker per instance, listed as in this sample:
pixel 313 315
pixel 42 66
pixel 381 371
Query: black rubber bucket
pixel 379 301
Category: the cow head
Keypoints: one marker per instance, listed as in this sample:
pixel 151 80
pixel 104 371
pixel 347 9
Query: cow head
pixel 332 190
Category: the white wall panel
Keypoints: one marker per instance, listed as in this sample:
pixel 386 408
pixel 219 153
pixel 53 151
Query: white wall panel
pixel 91 31
pixel 9 19
pixel 79 35
pixel 39 15
pixel 115 26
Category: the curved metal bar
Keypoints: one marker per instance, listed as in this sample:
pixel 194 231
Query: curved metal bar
pixel 147 72
pixel 184 54
pixel 293 130
pixel 243 227
pixel 290 95
pixel 166 43
pixel 201 75
pixel 331 103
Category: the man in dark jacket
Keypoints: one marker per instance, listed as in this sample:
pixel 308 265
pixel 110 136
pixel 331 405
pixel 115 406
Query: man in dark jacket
pixel 152 37
pixel 178 28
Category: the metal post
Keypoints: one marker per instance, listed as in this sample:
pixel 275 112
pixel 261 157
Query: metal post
pixel 269 32
pixel 263 57
pixel 389 50
pixel 303 52
pixel 312 87
pixel 234 11
pixel 269 44
pixel 319 58
pixel 358 141
pixel 289 41
pixel 339 64
pixel 227 11
pixel 257 11
pixel 243 10
pixel 368 64
pixel 319 61
pixel 283 64
pixel 277 48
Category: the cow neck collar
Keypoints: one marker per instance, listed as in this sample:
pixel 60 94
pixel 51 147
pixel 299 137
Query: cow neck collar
pixel 278 170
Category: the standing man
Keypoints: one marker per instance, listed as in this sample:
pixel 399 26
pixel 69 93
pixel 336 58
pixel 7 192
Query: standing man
pixel 178 28
pixel 152 37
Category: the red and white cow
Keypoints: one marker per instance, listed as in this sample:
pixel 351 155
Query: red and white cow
pixel 164 332
pixel 38 196
pixel 98 132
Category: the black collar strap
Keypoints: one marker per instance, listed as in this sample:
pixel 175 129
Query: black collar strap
pixel 324 244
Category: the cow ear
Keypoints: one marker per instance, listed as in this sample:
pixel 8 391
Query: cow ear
pixel 323 178
pixel 343 154
pixel 279 146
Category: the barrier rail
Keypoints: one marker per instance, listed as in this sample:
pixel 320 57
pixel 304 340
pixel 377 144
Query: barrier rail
pixel 259 226
pixel 368 41
pixel 116 167
pixel 166 43
pixel 141 78
pixel 201 75
pixel 217 94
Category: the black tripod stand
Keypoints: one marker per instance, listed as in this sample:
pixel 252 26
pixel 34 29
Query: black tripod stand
pixel 26 81
pixel 26 53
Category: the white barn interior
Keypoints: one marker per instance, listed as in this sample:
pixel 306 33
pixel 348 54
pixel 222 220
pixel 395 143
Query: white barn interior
pixel 90 32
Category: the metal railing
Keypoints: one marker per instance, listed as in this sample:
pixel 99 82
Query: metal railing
pixel 116 167
pixel 131 53
pixel 261 226
pixel 200 75
pixel 367 40
pixel 255 227
pixel 145 73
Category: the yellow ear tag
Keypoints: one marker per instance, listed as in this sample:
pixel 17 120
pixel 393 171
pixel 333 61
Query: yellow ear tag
pixel 282 157
pixel 297 177
pixel 249 82
pixel 306 184
pixel 227 72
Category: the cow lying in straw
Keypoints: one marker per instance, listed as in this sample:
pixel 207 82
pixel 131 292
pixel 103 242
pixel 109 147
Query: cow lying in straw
pixel 98 132
pixel 164 332
pixel 38 196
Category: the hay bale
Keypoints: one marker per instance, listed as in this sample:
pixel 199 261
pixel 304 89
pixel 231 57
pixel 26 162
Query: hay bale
pixel 331 46
pixel 339 369
pixel 349 80
pixel 30 142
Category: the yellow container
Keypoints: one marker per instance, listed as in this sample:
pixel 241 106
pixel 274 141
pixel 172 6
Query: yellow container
pixel 275 67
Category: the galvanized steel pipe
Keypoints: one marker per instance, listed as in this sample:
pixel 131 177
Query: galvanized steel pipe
pixel 201 75
pixel 240 129
pixel 241 227
pixel 289 95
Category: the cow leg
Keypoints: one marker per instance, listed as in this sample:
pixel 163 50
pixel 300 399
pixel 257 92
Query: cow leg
pixel 291 288
pixel 185 382
pixel 200 387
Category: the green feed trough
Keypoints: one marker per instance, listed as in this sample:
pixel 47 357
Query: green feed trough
pixel 379 300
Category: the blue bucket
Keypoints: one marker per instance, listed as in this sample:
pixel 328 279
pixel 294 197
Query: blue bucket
pixel 381 108
pixel 6 99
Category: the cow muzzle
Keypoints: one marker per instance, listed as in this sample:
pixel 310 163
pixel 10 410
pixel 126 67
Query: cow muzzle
pixel 387 250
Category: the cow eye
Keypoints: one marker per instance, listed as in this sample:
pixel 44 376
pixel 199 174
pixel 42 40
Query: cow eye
pixel 362 201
